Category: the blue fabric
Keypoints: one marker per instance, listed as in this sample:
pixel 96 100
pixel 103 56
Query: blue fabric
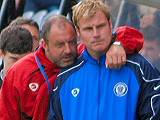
pixel 88 90
pixel 97 99
pixel 43 73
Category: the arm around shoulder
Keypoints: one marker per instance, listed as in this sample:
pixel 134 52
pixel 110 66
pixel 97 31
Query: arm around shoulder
pixel 132 40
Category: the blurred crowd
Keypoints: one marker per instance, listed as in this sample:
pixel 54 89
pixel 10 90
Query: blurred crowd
pixel 144 18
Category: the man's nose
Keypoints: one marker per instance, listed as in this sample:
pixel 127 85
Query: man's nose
pixel 67 48
pixel 95 32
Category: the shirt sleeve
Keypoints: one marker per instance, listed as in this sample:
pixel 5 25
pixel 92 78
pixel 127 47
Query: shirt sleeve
pixel 131 39
pixel 149 99
pixel 148 106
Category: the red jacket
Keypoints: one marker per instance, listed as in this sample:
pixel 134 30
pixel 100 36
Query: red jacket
pixel 24 94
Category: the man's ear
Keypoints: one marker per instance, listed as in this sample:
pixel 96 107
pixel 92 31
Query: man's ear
pixel 44 44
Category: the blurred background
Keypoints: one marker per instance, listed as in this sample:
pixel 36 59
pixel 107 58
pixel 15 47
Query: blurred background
pixel 145 16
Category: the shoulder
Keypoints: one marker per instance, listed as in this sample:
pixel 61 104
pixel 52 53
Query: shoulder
pixel 143 68
pixel 139 61
pixel 24 75
pixel 24 63
pixel 22 70
pixel 74 67
pixel 66 72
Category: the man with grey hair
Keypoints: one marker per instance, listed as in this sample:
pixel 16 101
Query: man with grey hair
pixel 31 78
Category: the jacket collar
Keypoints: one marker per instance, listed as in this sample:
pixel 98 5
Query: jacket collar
pixel 40 53
pixel 92 60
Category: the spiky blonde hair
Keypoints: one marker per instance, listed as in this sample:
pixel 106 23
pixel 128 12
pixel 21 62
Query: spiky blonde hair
pixel 87 8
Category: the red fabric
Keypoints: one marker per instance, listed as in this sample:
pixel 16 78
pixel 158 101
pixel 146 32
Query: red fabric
pixel 81 47
pixel 17 98
pixel 131 39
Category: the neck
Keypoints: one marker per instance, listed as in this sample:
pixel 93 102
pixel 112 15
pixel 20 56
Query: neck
pixel 96 55
pixel 7 65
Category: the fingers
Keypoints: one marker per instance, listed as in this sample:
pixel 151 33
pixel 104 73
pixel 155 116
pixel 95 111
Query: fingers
pixel 124 59
pixel 115 57
pixel 116 61
pixel 109 62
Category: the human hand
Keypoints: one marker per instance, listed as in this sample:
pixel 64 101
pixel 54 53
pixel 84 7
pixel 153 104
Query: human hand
pixel 116 56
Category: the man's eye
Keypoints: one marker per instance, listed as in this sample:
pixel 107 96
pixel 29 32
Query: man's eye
pixel 88 29
pixel 100 26
pixel 59 45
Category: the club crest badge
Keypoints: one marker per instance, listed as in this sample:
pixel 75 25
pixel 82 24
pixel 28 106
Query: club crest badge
pixel 75 92
pixel 120 89
pixel 33 86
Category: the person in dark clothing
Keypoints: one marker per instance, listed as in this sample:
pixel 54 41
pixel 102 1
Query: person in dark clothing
pixel 36 5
